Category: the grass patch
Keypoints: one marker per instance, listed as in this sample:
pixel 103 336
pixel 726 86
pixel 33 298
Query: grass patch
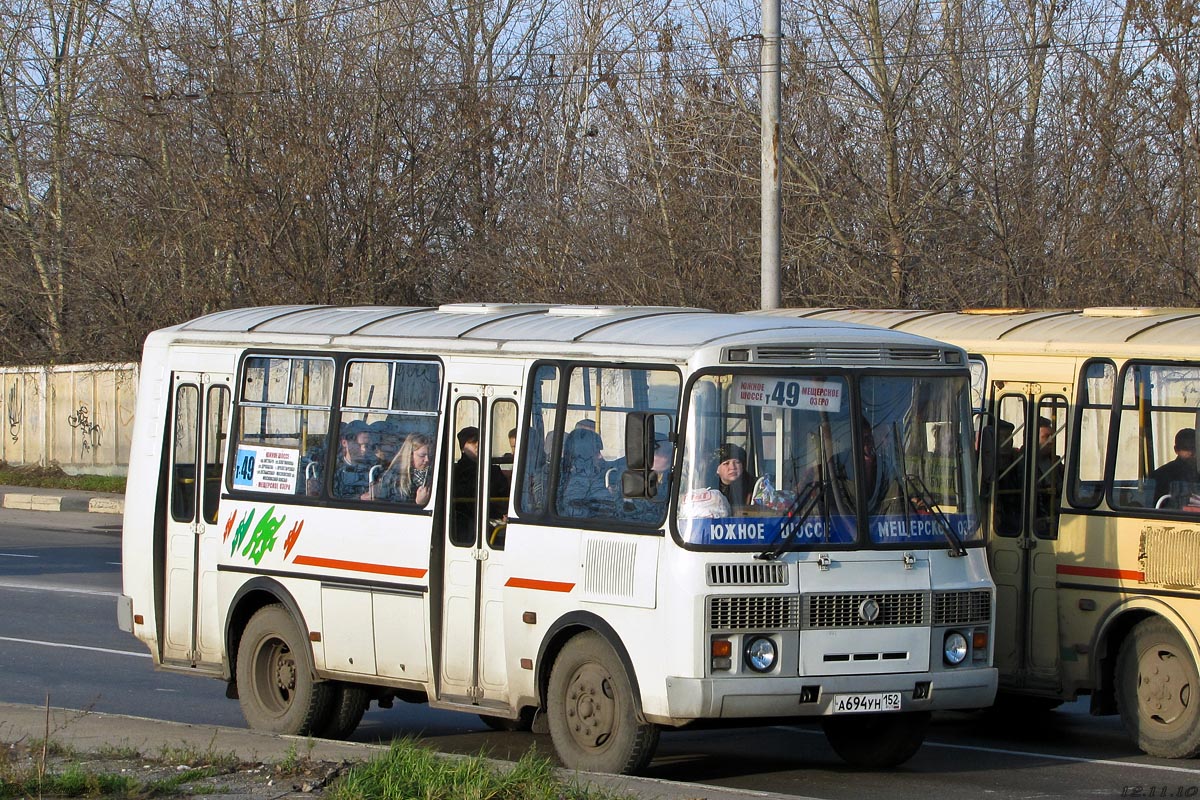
pixel 194 757
pixel 410 771
pixel 71 782
pixel 52 477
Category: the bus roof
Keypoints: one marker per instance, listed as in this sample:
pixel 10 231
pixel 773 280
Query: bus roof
pixel 646 331
pixel 1130 330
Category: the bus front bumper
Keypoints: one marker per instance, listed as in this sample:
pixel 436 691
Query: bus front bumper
pixel 751 697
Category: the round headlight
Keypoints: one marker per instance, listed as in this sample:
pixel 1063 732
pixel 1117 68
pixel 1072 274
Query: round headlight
pixel 760 654
pixel 954 647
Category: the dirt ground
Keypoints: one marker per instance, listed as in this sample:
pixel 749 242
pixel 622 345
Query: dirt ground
pixel 297 777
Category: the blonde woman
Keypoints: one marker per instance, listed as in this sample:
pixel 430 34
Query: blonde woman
pixel 407 477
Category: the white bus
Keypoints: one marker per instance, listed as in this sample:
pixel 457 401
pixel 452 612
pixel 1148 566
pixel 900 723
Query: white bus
pixel 705 516
pixel 1087 422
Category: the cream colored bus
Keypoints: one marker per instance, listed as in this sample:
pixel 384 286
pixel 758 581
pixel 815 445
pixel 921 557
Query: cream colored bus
pixel 531 512
pixel 1091 503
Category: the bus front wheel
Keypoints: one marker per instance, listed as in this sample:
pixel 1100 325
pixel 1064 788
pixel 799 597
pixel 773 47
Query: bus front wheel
pixel 1156 681
pixel 591 712
pixel 275 685
pixel 877 741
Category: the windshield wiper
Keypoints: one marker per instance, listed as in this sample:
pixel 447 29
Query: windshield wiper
pixel 912 486
pixel 922 493
pixel 806 500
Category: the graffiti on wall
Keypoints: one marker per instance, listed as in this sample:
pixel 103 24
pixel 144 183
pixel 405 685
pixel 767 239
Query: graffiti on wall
pixel 90 430
pixel 14 411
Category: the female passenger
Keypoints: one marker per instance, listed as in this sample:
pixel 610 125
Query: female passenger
pixel 406 479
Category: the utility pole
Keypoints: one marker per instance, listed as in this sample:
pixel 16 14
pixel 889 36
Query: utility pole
pixel 771 188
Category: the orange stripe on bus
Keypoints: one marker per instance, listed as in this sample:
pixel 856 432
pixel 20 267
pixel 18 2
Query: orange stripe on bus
pixel 544 586
pixel 1102 572
pixel 360 566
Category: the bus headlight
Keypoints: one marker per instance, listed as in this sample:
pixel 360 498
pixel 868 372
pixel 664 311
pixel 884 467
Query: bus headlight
pixel 954 648
pixel 760 654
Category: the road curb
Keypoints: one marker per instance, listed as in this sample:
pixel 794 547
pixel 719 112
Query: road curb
pixel 51 502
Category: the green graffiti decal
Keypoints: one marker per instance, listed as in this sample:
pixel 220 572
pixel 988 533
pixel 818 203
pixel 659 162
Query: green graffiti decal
pixel 240 533
pixel 263 540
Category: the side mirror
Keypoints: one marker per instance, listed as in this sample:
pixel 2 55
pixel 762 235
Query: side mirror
pixel 640 479
pixel 639 440
pixel 643 483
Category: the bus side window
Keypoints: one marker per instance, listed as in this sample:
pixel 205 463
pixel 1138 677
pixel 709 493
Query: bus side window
pixel 185 469
pixel 1008 475
pixel 1048 464
pixel 1090 445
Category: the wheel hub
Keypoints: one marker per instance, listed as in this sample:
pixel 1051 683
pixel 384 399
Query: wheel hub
pixel 1164 692
pixel 590 706
pixel 282 674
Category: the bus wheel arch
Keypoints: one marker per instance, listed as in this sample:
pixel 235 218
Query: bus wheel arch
pixel 593 707
pixel 1155 682
pixel 1111 635
pixel 252 596
pixel 562 631
pixel 277 688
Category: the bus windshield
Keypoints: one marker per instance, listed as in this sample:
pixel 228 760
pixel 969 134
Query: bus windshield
pixel 777 461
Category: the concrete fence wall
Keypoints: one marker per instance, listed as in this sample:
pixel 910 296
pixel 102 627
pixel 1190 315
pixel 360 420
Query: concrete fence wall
pixel 79 417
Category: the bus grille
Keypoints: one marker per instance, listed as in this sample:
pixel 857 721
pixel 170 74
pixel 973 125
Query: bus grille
pixel 755 613
pixel 829 353
pixel 747 575
pixel 962 608
pixel 873 610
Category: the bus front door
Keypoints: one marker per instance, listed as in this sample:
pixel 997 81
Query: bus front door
pixel 198 434
pixel 1024 495
pixel 472 665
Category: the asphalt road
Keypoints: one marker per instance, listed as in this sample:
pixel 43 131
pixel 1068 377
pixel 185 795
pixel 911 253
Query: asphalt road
pixel 60 575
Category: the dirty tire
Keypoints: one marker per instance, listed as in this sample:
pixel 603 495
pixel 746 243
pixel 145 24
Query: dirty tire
pixel 1158 690
pixel 592 713
pixel 877 741
pixel 348 703
pixel 275 685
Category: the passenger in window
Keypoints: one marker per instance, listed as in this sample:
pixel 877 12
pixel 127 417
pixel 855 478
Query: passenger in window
pixel 734 480
pixel 886 488
pixel 508 457
pixel 581 487
pixel 406 479
pixel 1177 479
pixel 466 474
pixel 1008 481
pixel 352 478
pixel 387 441
pixel 651 510
pixel 311 470
pixel 1049 479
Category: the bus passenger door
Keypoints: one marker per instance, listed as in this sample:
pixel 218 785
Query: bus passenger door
pixel 472 665
pixel 198 437
pixel 1023 495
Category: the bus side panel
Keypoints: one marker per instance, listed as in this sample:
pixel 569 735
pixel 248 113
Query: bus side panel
pixel 365 573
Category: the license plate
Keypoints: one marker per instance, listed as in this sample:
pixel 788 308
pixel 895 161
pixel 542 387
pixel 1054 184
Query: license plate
pixel 865 703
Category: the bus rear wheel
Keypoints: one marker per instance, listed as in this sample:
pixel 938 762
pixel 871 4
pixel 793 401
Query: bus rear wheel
pixel 275 683
pixel 591 712
pixel 1158 691
pixel 877 741
pixel 348 703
